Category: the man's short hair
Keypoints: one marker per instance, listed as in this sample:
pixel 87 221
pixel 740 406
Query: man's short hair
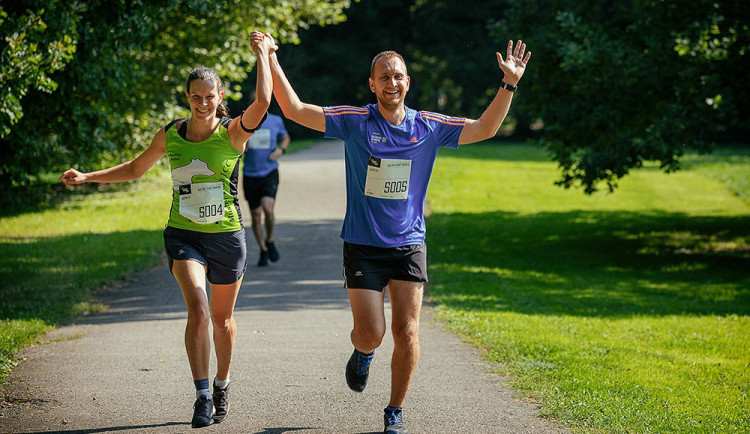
pixel 386 55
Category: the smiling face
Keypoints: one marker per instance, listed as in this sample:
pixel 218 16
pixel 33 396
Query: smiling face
pixel 204 97
pixel 389 82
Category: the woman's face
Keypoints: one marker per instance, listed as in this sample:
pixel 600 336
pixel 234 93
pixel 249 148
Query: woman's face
pixel 204 97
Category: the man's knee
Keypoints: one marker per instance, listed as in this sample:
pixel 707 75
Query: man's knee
pixel 368 337
pixel 406 334
pixel 256 214
pixel 267 205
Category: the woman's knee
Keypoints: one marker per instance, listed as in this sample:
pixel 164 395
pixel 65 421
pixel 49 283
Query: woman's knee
pixel 223 323
pixel 198 315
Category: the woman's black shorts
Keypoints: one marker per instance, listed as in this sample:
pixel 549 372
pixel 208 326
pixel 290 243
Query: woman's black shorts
pixel 224 254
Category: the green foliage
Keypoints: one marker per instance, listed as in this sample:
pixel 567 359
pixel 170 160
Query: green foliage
pixel 449 54
pixel 624 312
pixel 621 83
pixel 36 43
pixel 128 74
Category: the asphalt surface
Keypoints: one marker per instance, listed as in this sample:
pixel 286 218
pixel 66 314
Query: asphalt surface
pixel 125 370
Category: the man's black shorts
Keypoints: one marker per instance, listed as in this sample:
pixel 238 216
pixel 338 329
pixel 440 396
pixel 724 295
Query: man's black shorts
pixel 257 188
pixel 224 254
pixel 370 267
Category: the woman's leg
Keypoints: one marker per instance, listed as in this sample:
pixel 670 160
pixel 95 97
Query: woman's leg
pixel 223 299
pixel 191 276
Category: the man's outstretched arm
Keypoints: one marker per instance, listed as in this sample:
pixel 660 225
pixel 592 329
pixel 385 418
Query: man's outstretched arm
pixel 309 115
pixel 487 125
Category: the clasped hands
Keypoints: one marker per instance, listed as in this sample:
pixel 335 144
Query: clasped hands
pixel 259 40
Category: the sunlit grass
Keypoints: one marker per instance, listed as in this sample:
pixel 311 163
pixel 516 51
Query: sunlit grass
pixel 624 312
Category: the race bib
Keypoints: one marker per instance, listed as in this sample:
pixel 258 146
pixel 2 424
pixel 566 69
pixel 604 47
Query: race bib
pixel 261 139
pixel 387 179
pixel 202 203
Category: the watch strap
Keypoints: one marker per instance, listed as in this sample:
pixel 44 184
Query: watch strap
pixel 508 87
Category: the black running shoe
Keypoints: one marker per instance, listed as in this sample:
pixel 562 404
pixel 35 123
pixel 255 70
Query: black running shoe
pixel 273 254
pixel 394 422
pixel 221 403
pixel 202 410
pixel 357 371
pixel 263 260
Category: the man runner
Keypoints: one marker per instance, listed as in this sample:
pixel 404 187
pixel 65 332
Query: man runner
pixel 390 150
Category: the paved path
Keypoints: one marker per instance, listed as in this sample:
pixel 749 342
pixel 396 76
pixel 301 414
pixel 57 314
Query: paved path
pixel 125 370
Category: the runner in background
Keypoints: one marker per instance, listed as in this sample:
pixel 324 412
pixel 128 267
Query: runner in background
pixel 260 181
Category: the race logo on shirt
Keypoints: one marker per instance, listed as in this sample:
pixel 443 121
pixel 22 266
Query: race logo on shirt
pixel 377 138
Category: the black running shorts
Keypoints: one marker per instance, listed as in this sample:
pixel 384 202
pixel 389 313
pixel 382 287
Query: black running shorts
pixel 224 254
pixel 257 188
pixel 370 267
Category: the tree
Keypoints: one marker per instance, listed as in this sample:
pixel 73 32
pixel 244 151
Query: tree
pixel 446 45
pixel 621 83
pixel 31 50
pixel 126 78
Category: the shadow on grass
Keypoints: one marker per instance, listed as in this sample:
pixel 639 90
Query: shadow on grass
pixel 50 277
pixel 577 263
pixel 56 278
pixel 591 263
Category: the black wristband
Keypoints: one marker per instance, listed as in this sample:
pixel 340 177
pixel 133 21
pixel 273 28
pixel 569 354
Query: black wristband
pixel 508 87
pixel 252 130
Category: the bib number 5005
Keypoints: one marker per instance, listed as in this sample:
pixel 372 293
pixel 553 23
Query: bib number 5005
pixel 396 187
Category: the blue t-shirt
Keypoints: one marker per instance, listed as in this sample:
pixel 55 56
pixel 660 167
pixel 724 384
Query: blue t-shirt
pixel 388 168
pixel 260 146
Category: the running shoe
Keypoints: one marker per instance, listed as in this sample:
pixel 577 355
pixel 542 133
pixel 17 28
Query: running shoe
pixel 221 403
pixel 358 370
pixel 273 254
pixel 263 260
pixel 202 412
pixel 394 422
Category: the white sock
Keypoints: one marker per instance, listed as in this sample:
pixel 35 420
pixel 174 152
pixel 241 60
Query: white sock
pixel 221 384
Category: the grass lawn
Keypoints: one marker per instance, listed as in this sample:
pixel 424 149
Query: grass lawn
pixel 624 312
pixel 52 260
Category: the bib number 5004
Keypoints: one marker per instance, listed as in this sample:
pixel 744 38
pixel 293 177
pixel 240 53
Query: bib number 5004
pixel 210 211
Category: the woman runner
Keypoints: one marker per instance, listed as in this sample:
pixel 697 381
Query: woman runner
pixel 204 236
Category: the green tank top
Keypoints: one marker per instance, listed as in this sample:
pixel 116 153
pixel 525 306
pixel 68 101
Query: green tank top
pixel 204 181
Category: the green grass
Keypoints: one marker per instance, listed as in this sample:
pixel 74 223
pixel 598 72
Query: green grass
pixel 624 312
pixel 54 255
pixel 51 260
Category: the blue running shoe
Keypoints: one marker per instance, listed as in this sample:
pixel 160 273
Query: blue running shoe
pixel 394 421
pixel 358 370
pixel 202 412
